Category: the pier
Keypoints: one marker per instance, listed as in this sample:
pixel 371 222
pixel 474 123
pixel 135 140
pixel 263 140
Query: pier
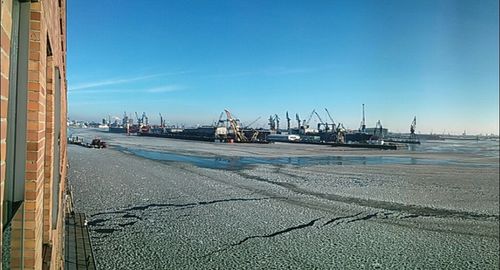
pixel 78 250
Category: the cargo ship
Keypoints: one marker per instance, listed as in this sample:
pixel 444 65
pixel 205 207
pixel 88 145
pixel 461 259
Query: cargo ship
pixel 204 133
pixel 117 129
pixel 358 137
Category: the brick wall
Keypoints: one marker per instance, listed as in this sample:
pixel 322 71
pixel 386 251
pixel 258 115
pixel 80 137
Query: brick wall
pixel 34 228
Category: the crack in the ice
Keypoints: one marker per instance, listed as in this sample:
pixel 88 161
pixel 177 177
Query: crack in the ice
pixel 367 217
pixel 337 221
pixel 340 218
pixel 376 215
pixel 301 226
pixel 155 205
pixel 127 212
pixel 298 227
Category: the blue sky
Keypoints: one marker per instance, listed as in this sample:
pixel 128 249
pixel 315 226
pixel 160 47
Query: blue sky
pixel 190 59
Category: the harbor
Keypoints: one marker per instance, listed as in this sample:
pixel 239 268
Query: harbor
pixel 229 129
pixel 170 203
pixel 273 134
pixel 227 195
pixel 249 134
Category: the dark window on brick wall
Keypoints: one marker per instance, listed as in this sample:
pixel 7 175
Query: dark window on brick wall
pixel 17 110
pixel 56 182
pixel 13 207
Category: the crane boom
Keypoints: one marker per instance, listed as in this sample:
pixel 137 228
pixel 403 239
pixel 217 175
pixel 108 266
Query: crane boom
pixel 239 136
pixel 220 122
pixel 319 117
pixel 253 122
pixel 310 117
pixel 329 116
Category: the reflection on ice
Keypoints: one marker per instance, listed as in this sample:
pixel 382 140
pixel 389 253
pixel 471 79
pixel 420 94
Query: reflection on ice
pixel 236 163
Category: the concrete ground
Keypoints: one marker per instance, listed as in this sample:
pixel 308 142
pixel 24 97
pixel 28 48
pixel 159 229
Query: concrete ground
pixel 154 214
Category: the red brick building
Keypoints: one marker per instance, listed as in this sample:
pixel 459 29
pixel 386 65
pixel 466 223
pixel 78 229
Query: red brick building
pixel 32 133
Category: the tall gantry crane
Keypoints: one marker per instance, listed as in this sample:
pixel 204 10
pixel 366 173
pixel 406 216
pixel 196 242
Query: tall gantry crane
pixel 288 122
pixel 145 119
pixel 363 122
pixel 331 119
pixel 238 135
pixel 277 121
pixel 220 122
pixel 306 124
pixel 139 122
pixel 162 122
pixel 298 120
pixel 340 133
pixel 413 127
pixel 272 125
pixel 124 119
pixel 320 121
pixel 379 130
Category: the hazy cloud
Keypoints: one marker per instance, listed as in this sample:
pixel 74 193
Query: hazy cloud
pixel 159 89
pixel 110 82
pixel 117 81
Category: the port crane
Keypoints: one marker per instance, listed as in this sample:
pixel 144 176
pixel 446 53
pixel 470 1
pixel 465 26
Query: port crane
pixel 363 123
pixel 340 138
pixel 277 121
pixel 288 122
pixel 378 129
pixel 139 122
pixel 321 122
pixel 145 119
pixel 306 124
pixel 272 125
pixel 298 120
pixel 413 127
pixel 220 122
pixel 162 122
pixel 238 134
pixel 331 119
pixel 253 122
pixel 255 135
pixel 125 120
